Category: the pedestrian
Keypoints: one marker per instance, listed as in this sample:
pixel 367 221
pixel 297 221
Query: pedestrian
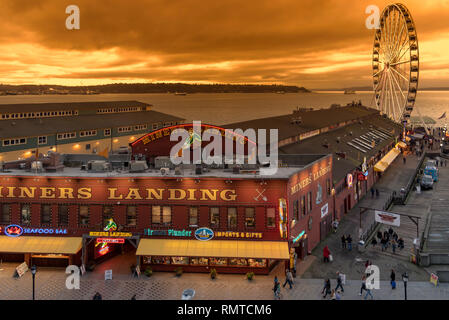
pixel 343 242
pixel 393 279
pixel 277 288
pixel 326 254
pixel 97 296
pixel 349 241
pixel 374 242
pixel 393 245
pixel 372 193
pixel 295 257
pixel 326 288
pixel 382 242
pixel 379 235
pixel 401 243
pixel 338 295
pixel 390 231
pixel 339 282
pixel 368 292
pixel 363 285
pixel 335 225
pixel 134 297
pixel 288 279
pixel 395 236
pixel 386 235
pixel 377 193
pixel 436 161
pixel 403 159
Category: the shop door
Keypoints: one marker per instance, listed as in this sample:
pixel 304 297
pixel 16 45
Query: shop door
pixel 345 203
pixel 349 202
pixel 325 227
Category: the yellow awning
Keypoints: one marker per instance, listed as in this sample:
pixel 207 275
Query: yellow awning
pixel 213 248
pixel 24 244
pixel 383 164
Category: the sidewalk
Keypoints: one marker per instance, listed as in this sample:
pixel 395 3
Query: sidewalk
pixel 50 285
pixel 396 177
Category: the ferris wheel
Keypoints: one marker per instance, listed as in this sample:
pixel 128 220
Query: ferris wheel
pixel 395 63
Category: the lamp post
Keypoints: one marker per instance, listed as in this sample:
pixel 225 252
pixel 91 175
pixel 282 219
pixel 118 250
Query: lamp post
pixel 405 279
pixel 33 273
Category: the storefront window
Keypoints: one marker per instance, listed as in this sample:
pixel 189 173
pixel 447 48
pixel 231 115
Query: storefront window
pixel 249 218
pixel 309 202
pixel 238 262
pixel 232 218
pixel 296 209
pixel 271 219
pixel 166 215
pixel 258 263
pixel 131 216
pixel 218 261
pixel 193 217
pixel 160 260
pixel 83 216
pixel 156 214
pixel 303 205
pixel 214 217
pixel 180 260
pixel 5 215
pixel 25 215
pixel 63 215
pixel 199 261
pixel 46 214
pixel 107 215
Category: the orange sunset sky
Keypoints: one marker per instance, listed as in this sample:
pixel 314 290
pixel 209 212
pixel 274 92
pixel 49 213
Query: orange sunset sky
pixel 311 43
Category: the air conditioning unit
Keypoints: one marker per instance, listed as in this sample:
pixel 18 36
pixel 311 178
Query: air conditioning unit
pixel 99 165
pixel 36 166
pixel 178 171
pixel 165 171
pixel 138 166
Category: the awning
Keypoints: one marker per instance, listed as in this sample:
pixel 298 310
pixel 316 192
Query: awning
pixel 383 164
pixel 24 244
pixel 214 248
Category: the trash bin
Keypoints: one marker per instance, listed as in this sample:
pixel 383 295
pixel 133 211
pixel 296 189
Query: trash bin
pixel 361 246
pixel 188 294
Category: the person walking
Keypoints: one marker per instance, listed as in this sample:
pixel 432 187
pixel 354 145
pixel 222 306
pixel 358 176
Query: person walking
pixel 377 193
pixel 393 245
pixel 326 254
pixel 349 241
pixel 363 285
pixel 368 292
pixel 379 235
pixel 339 282
pixel 374 242
pixel 326 288
pixel 403 159
pixel 383 242
pixel 393 279
pixel 277 289
pixel 390 231
pixel 288 279
pixel 372 193
pixel 401 243
pixel 343 242
pixel 333 295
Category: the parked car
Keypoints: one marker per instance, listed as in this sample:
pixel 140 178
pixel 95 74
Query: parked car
pixel 426 182
pixel 431 171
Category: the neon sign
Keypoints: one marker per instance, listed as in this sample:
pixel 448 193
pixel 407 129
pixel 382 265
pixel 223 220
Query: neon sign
pixel 110 240
pixel 103 248
pixel 169 232
pixel 111 226
pixel 13 230
pixel 303 232
pixel 349 180
pixel 283 217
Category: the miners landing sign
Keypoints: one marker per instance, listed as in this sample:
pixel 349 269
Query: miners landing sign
pixel 118 194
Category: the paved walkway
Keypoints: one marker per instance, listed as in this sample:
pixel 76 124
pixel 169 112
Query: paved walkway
pixel 396 177
pixel 50 285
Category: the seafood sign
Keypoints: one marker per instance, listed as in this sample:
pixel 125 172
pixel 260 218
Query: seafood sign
pixel 387 218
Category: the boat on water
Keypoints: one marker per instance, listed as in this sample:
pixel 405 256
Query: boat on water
pixel 180 93
pixel 280 92
pixel 349 91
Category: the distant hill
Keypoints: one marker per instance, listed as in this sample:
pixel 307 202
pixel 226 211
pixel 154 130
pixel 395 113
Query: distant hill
pixel 371 89
pixel 149 88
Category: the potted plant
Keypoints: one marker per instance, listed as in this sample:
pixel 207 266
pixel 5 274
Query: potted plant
pixel 250 276
pixel 213 274
pixel 178 271
pixel 148 271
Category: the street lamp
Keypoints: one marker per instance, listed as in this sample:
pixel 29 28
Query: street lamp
pixel 33 273
pixel 405 279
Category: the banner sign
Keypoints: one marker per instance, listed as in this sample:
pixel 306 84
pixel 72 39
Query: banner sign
pixel 324 210
pixel 389 218
pixel 110 240
pixel 110 234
